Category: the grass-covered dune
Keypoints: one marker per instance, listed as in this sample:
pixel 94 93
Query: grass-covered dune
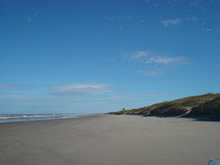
pixel 207 105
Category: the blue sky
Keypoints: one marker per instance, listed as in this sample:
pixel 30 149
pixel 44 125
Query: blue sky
pixel 83 56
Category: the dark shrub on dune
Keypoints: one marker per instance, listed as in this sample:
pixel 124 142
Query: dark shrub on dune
pixel 169 111
pixel 211 108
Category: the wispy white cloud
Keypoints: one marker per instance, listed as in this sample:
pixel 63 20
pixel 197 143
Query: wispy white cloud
pixel 168 22
pixel 189 20
pixel 148 57
pixel 141 54
pixel 166 60
pixel 81 89
pixel 154 64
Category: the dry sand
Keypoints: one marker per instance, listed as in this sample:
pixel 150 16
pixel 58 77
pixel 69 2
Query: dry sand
pixel 110 140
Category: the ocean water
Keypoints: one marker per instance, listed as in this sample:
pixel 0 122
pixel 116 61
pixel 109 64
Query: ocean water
pixel 6 118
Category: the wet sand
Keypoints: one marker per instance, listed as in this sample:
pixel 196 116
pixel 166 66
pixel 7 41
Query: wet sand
pixel 110 140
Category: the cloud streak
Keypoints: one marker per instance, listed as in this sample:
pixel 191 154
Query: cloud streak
pixel 74 89
pixel 155 64
pixel 165 60
pixel 141 54
pixel 149 58
pixel 81 89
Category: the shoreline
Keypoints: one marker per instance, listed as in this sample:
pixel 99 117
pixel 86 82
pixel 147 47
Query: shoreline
pixel 58 117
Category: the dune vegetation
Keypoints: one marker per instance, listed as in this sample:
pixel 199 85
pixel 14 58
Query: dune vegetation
pixel 207 105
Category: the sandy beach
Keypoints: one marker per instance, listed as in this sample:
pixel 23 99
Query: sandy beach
pixel 110 140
